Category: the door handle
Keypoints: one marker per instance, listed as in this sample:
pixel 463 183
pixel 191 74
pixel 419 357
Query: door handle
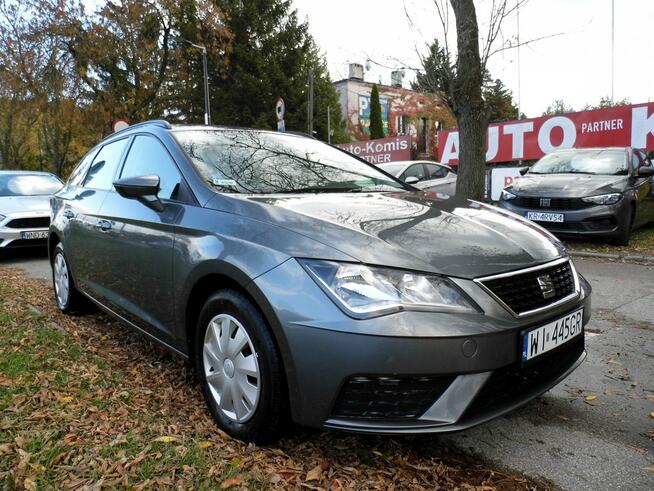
pixel 104 225
pixel 68 214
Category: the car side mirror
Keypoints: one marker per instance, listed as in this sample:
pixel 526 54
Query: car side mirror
pixel 645 171
pixel 523 170
pixel 411 180
pixel 141 188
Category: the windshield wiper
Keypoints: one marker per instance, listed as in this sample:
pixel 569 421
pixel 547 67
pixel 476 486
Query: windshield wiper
pixel 322 189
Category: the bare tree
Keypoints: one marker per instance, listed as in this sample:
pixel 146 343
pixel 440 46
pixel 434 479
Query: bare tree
pixel 463 78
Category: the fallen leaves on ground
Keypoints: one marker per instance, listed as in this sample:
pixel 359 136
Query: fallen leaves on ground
pixel 86 403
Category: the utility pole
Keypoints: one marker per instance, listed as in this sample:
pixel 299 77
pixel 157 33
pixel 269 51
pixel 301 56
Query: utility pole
pixel 310 104
pixel 207 108
pixel 517 10
pixel 612 48
pixel 329 125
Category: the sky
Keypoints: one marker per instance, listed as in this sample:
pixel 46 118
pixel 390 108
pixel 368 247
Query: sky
pixel 573 65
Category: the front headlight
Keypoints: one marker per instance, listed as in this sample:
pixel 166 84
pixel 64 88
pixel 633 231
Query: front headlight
pixel 2 217
pixel 603 199
pixel 367 291
pixel 506 195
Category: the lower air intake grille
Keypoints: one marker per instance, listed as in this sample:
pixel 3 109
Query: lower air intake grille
pixel 389 398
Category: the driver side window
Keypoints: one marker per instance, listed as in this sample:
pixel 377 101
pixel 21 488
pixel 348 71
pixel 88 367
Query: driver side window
pixel 148 157
pixel 416 170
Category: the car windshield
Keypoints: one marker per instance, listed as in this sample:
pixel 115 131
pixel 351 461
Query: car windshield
pixel 590 161
pixel 28 185
pixel 245 161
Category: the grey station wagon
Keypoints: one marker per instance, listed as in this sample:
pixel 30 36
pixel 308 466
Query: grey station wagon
pixel 307 285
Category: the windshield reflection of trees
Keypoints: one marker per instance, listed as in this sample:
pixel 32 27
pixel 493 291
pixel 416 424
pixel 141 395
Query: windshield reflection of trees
pixel 260 163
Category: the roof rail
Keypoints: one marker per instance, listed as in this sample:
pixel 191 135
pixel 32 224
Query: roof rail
pixel 162 123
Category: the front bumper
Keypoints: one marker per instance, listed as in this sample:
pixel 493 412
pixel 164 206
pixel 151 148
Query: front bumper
pixel 421 371
pixel 14 224
pixel 603 221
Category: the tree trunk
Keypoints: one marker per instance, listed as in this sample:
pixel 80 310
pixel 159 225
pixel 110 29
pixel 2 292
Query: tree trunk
pixel 469 106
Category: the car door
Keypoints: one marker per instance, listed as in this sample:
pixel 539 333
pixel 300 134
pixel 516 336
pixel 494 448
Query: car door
pixel 642 189
pixel 438 178
pixel 138 241
pixel 80 209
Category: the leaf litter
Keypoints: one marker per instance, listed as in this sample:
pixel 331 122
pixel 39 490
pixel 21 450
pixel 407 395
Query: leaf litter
pixel 86 403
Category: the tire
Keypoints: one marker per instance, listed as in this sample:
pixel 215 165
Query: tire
pixel 240 369
pixel 622 239
pixel 67 297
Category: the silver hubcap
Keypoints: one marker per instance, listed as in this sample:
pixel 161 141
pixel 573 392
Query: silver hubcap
pixel 231 368
pixel 61 282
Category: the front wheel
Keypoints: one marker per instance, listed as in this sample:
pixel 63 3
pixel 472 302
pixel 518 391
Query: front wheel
pixel 240 369
pixel 68 298
pixel 622 239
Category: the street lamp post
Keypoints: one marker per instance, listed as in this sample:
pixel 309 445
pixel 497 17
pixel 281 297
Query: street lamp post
pixel 207 108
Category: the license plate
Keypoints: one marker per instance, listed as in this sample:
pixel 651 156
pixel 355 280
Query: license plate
pixel 552 335
pixel 39 234
pixel 544 217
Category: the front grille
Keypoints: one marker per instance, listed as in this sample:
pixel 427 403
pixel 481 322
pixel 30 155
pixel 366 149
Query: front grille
pixel 27 243
pixel 522 292
pixel 554 203
pixel 389 398
pixel 515 381
pixel 31 222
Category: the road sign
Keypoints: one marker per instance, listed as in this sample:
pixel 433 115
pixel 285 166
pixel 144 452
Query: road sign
pixel 280 109
pixel 119 124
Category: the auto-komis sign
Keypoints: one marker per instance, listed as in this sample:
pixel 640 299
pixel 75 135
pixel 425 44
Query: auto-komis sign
pixel 529 139
pixel 382 150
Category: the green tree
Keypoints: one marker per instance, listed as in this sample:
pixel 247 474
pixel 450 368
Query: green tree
pixel 499 102
pixel 376 124
pixel 558 107
pixel 606 102
pixel 272 52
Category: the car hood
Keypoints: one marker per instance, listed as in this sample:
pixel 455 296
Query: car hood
pixel 414 230
pixel 24 204
pixel 569 185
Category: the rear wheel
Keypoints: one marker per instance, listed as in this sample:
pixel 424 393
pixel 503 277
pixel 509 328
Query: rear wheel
pixel 68 298
pixel 240 368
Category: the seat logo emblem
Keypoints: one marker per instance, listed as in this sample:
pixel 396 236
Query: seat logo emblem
pixel 545 202
pixel 546 286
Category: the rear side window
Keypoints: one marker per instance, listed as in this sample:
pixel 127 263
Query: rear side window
pixel 103 169
pixel 435 171
pixel 148 157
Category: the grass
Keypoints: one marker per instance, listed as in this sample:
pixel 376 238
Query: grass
pixel 87 403
pixel 641 243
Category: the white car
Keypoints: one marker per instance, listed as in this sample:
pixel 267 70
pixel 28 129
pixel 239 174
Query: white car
pixel 25 207
pixel 424 174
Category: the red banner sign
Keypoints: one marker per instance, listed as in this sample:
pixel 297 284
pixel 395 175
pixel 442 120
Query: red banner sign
pixel 530 139
pixel 382 150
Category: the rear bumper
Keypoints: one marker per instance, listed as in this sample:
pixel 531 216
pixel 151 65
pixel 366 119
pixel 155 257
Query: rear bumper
pixel 422 371
pixel 604 221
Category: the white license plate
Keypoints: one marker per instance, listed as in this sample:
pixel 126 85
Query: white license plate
pixel 552 335
pixel 544 217
pixel 39 234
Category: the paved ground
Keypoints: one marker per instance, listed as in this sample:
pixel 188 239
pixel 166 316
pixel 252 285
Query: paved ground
pixel 578 444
